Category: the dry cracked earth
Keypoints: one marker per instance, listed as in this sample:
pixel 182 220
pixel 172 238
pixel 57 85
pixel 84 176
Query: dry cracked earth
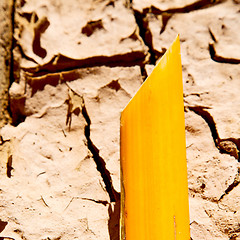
pixel 68 68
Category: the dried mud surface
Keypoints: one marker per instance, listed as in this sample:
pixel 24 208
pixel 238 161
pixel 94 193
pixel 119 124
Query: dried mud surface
pixel 75 65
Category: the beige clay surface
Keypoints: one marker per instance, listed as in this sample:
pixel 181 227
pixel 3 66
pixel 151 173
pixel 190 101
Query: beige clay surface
pixel 76 64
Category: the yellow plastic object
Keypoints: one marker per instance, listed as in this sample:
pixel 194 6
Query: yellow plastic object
pixel 154 194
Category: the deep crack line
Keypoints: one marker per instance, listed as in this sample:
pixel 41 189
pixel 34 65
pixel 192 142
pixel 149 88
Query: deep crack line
pixel 208 119
pixel 13 11
pixel 220 59
pixel 101 165
pixel 213 54
pixel 200 4
pixel 60 63
pixel 229 146
pixel 234 184
pixel 76 105
pixel 145 33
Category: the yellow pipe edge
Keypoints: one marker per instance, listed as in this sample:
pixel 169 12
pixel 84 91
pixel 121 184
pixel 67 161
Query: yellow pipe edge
pixel 154 189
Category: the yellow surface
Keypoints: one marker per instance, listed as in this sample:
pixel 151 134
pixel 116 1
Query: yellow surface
pixel 153 157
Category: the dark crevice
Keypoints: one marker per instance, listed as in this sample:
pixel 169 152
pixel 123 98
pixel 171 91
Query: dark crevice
pixel 143 23
pixel 212 35
pixel 234 236
pixel 113 209
pixel 53 79
pixel 142 20
pixel 201 4
pixel 23 55
pixel 101 165
pixel 114 84
pixel 144 73
pixel 208 119
pixel 92 26
pixel 220 59
pixel 40 27
pixel 217 58
pixel 7 238
pixel 234 184
pixel 3 141
pixel 61 63
pixel 229 146
pixel 113 222
pixel 10 58
pixel 145 34
pixel 165 19
pixel 2 225
pixel 17 111
pixel 12 41
pixel 9 167
pixel 104 202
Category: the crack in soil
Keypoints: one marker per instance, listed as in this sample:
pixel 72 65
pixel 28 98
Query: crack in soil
pixel 60 63
pixel 101 165
pixel 217 58
pixel 145 34
pixel 9 167
pixel 143 23
pixel 200 110
pixel 103 202
pixel 229 146
pixel 200 4
pixel 220 59
pixel 13 10
pixel 165 18
pixel 234 184
pixel 76 105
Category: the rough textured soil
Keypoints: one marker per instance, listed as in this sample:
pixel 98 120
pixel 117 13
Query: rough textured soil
pixel 72 67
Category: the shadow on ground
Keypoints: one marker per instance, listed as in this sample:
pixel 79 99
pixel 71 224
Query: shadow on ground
pixel 113 222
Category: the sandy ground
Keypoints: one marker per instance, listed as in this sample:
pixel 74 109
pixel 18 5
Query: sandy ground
pixel 76 65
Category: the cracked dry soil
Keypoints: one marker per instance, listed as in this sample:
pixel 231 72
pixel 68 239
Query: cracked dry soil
pixel 67 70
